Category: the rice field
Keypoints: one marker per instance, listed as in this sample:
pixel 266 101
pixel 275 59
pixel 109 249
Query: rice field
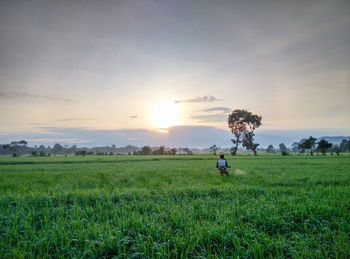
pixel 175 207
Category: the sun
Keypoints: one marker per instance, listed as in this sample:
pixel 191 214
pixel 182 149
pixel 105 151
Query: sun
pixel 165 114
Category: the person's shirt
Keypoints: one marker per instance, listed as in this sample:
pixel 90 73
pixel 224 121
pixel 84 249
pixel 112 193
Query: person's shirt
pixel 221 164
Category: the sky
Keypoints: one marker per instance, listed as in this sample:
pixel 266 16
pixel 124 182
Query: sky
pixel 140 68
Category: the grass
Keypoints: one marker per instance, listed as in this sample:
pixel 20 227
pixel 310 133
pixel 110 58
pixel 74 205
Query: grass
pixel 174 207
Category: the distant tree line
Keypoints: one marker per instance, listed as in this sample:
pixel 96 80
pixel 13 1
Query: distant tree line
pixel 162 150
pixel 311 145
pixel 307 145
pixel 17 148
pixel 243 123
pixel 304 146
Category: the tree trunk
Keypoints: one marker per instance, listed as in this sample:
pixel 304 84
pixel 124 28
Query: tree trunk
pixel 236 148
pixel 255 153
pixel 234 151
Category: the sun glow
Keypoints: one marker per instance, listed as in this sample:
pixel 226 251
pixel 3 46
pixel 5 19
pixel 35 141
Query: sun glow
pixel 164 114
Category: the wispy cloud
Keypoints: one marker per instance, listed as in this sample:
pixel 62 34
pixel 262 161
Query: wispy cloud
pixel 198 99
pixel 76 119
pixel 33 97
pixel 210 117
pixel 215 114
pixel 37 124
pixel 59 140
pixel 218 109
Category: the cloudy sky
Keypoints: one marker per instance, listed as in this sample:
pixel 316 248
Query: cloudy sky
pixel 136 66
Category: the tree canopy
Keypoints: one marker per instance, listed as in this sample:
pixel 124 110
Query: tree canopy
pixel 323 145
pixel 213 149
pixel 308 144
pixel 14 146
pixel 242 125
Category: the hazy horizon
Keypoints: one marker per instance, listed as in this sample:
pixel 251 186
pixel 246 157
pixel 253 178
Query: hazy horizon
pixel 83 71
pixel 176 136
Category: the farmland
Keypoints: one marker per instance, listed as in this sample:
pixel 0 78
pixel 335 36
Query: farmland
pixel 174 206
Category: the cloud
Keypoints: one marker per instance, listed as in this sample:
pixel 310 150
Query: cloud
pixel 75 119
pixel 203 99
pixel 218 109
pixel 37 124
pixel 215 114
pixel 133 116
pixel 33 97
pixel 58 140
pixel 210 117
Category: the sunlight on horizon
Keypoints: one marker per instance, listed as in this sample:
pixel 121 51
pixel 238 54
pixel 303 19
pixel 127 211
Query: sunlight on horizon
pixel 165 114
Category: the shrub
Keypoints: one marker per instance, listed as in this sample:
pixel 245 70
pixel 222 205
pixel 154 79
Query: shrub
pixel 233 151
pixel 81 152
pixel 285 153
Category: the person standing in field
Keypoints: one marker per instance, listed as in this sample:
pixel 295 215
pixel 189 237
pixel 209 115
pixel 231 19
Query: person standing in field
pixel 222 166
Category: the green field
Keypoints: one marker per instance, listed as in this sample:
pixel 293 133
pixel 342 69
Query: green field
pixel 174 207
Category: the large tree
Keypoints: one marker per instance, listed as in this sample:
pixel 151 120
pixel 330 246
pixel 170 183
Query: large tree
pixel 323 145
pixel 159 151
pixel 15 146
pixel 345 145
pixel 213 149
pixel 270 149
pixel 57 149
pixel 248 142
pixel 242 124
pixel 308 144
pixel 146 150
pixel 283 147
pixel 295 147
